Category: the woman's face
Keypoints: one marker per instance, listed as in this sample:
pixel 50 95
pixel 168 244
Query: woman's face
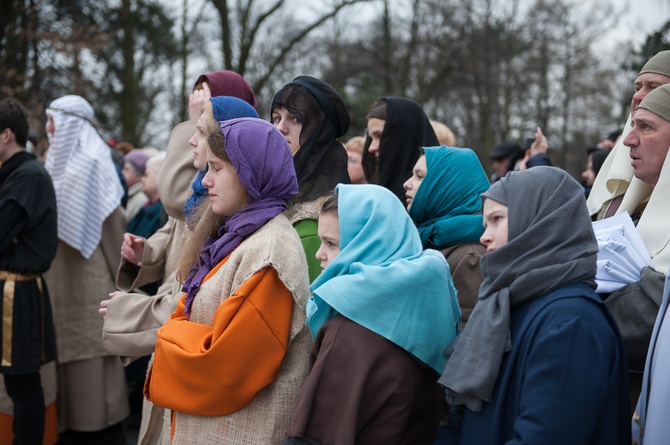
pixel 355 168
pixel 199 142
pixel 289 125
pixel 412 184
pixel 149 186
pixel 495 224
pixel 375 130
pixel 226 192
pixel 329 234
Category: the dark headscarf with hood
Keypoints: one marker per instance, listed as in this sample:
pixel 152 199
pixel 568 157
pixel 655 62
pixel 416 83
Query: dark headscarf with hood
pixel 321 161
pixel 406 128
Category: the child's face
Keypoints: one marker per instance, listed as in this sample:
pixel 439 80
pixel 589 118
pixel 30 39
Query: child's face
pixel 495 222
pixel 329 234
pixel 412 184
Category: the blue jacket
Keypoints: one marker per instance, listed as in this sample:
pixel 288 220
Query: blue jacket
pixel 564 381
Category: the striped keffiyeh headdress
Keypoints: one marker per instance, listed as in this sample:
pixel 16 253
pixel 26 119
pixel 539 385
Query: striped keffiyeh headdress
pixel 84 176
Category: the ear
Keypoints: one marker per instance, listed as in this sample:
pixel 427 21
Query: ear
pixel 7 136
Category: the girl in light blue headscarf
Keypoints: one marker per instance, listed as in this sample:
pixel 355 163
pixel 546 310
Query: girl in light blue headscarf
pixel 443 200
pixel 382 312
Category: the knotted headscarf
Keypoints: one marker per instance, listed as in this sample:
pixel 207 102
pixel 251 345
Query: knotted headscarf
pixel 263 162
pixel 321 161
pixel 383 280
pixel 447 206
pixel 550 245
pixel 85 178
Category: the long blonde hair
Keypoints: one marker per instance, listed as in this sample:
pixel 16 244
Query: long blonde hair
pixel 208 222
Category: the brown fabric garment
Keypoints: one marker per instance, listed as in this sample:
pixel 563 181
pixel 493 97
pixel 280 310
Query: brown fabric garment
pixel 363 389
pixel 463 262
pixel 92 394
pixel 174 187
pixel 177 171
pixel 76 286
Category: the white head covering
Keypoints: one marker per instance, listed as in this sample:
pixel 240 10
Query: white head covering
pixel 617 178
pixel 85 179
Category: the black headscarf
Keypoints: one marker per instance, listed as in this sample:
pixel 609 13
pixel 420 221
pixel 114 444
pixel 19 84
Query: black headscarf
pixel 321 161
pixel 405 130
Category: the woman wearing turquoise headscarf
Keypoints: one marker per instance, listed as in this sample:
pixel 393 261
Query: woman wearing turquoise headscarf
pixel 443 200
pixel 382 312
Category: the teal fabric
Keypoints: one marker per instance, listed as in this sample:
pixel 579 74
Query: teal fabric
pixel 447 207
pixel 383 280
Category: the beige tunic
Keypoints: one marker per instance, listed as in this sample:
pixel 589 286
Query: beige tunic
pixel 129 329
pixel 91 384
pixel 266 419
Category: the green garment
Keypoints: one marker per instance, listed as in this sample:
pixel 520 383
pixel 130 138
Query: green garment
pixel 307 230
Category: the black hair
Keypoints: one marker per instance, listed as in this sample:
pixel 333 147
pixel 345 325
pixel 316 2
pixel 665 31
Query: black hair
pixel 14 116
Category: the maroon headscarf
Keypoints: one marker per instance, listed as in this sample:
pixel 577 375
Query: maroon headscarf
pixel 229 83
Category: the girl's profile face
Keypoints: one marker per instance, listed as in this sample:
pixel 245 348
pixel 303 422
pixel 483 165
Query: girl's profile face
pixel 289 125
pixel 495 223
pixel 329 234
pixel 199 141
pixel 375 130
pixel 226 192
pixel 412 184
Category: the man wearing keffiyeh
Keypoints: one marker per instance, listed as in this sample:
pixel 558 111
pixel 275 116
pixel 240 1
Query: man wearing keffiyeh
pixel 92 389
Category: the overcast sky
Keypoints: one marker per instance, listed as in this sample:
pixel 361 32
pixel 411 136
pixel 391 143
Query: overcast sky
pixel 641 17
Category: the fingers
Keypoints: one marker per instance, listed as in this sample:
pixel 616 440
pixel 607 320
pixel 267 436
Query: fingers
pixel 104 304
pixel 207 91
pixel 196 99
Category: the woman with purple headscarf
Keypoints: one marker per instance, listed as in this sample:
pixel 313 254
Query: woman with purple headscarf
pixel 229 363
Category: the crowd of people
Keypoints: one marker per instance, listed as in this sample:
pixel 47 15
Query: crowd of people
pixel 262 283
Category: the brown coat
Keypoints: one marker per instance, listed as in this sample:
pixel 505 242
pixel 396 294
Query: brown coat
pixel 363 389
pixel 463 262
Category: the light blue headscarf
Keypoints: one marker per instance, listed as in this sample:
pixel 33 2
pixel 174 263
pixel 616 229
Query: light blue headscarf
pixel 383 280
pixel 447 207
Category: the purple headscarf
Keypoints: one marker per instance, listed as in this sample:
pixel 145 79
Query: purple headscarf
pixel 264 165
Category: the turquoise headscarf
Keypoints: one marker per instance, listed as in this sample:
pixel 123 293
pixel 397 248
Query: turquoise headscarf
pixel 447 207
pixel 383 280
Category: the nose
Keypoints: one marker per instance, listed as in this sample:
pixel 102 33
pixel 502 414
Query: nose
pixel 408 184
pixel 281 126
pixel 640 94
pixel 193 142
pixel 631 139
pixel 485 238
pixel 374 147
pixel 319 254
pixel 207 180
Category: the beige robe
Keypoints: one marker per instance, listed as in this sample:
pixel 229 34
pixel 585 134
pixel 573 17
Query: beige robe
pixel 91 384
pixel 265 420
pixel 129 329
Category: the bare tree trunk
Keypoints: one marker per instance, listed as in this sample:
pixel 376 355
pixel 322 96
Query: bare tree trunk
pixel 128 96
pixel 183 111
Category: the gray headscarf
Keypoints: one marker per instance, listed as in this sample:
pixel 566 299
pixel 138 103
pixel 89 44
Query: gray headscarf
pixel 550 245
